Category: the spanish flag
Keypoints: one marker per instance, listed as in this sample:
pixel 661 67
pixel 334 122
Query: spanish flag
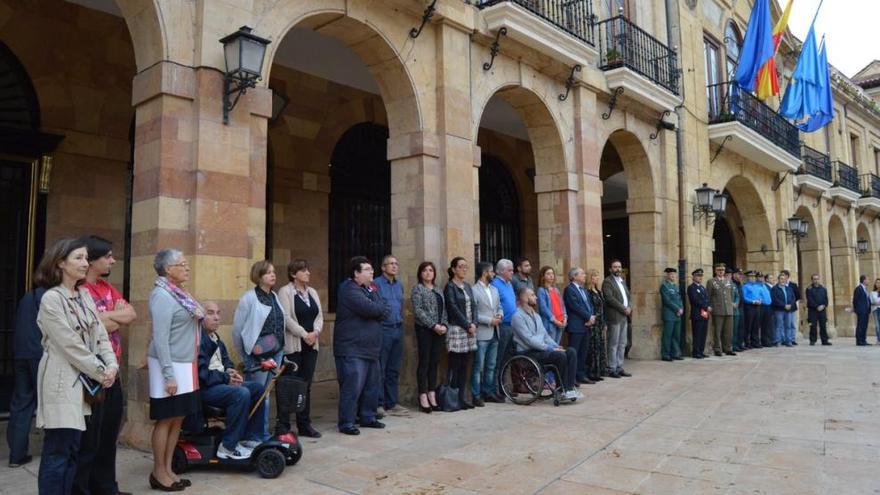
pixel 767 83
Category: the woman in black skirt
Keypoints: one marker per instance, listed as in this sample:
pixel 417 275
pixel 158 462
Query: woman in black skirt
pixel 597 354
pixel 172 363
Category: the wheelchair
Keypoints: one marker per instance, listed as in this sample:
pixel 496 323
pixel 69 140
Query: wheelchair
pixel 524 381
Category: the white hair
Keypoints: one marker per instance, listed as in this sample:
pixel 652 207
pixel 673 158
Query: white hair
pixel 502 264
pixel 165 258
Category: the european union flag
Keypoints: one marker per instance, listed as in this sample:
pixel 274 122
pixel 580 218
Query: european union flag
pixel 757 47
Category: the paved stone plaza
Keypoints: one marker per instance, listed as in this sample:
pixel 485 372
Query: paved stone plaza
pixel 773 421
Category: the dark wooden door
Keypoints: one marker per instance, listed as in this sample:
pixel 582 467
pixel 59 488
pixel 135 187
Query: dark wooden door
pixel 500 217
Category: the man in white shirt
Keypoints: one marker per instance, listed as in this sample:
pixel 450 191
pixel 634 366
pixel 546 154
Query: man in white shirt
pixel 618 309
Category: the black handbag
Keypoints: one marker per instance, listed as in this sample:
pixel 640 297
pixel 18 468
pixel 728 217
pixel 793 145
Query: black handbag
pixel 290 392
pixel 448 397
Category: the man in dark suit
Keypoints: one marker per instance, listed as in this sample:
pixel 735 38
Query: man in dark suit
pixel 861 306
pixel 580 319
pixel 817 310
pixel 699 300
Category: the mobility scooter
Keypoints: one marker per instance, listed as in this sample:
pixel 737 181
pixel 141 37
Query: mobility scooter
pixel 199 448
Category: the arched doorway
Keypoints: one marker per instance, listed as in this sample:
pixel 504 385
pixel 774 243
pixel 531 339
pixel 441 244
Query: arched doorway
pixel 842 278
pixel 754 244
pixel 809 258
pixel 868 259
pixel 500 214
pixel 615 221
pixel 517 131
pixel 725 245
pixel 360 200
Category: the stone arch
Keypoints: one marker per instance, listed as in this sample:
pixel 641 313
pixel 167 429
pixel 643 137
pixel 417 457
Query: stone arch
pixel 148 33
pixel 758 235
pixel 623 153
pixel 365 38
pixel 841 276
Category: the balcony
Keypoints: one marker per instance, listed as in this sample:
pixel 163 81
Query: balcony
pixel 846 183
pixel 744 124
pixel 562 29
pixel 870 199
pixel 815 173
pixel 634 60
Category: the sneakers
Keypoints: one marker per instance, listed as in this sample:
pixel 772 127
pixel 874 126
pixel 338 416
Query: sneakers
pixel 398 410
pixel 573 395
pixel 237 454
pixel 249 444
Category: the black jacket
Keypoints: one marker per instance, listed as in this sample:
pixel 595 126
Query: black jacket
pixel 816 296
pixel 207 348
pixel 27 340
pixel 456 312
pixel 359 314
pixel 698 296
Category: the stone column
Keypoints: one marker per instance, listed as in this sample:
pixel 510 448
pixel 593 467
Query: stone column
pixel 199 186
pixel 841 289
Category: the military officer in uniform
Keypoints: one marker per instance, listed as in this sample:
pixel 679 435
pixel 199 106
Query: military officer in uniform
pixel 721 306
pixel 672 308
pixel 699 299
pixel 730 274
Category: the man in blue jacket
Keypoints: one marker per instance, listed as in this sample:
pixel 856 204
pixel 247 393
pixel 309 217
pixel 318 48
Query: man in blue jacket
pixel 755 297
pixel 861 306
pixel 357 344
pixel 503 281
pixel 817 310
pixel 580 320
pixel 27 350
pixel 782 301
pixel 223 387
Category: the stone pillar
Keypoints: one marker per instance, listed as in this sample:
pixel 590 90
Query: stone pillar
pixel 841 289
pixel 586 234
pixel 199 186
pixel 646 267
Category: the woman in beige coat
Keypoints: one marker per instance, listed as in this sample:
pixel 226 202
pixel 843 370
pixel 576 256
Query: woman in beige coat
pixel 304 319
pixel 75 346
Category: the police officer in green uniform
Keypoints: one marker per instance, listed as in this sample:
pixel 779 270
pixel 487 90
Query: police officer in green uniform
pixel 673 308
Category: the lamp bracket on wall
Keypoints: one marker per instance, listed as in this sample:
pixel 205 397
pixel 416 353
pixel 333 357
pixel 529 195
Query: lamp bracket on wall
pixel 662 124
pixel 777 182
pixel 612 103
pixel 496 47
pixel 798 192
pixel 833 204
pixel 426 16
pixel 569 83
pixel 720 148
pixel 818 200
pixel 233 86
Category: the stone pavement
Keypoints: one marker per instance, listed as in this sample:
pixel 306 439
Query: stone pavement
pixel 773 421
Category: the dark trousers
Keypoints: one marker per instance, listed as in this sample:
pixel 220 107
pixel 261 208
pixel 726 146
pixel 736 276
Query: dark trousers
pixel 390 360
pixel 766 325
pixel 505 350
pixel 306 360
pixel 21 407
pixel 430 346
pixel 96 463
pixel 862 328
pixel 752 333
pixel 238 401
pixel 459 364
pixel 359 382
pixel 566 362
pixel 822 320
pixel 58 461
pixel 578 342
pixel 699 327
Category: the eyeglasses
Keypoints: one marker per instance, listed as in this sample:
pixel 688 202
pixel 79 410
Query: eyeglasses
pixel 182 264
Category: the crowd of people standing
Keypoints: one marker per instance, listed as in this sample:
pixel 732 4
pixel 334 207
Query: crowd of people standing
pixel 68 345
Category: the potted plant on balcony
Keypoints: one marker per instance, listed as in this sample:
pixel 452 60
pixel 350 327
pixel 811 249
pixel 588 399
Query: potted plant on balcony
pixel 613 58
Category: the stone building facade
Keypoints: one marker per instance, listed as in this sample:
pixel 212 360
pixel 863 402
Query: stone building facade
pixel 581 138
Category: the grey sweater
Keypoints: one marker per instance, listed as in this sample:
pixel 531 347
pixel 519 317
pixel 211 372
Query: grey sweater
pixel 175 332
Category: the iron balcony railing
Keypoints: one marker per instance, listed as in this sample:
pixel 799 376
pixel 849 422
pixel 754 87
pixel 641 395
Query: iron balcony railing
pixel 870 186
pixel 728 103
pixel 575 17
pixel 623 44
pixel 846 176
pixel 816 163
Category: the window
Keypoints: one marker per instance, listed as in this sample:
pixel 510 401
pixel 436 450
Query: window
pixel 732 44
pixel 854 150
pixel 712 79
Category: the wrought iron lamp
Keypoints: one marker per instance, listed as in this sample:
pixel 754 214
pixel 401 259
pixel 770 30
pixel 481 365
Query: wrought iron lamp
pixel 710 203
pixel 797 230
pixel 243 52
pixel 862 246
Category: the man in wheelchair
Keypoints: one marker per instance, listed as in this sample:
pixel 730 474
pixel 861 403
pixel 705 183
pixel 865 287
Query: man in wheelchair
pixel 532 339
pixel 223 387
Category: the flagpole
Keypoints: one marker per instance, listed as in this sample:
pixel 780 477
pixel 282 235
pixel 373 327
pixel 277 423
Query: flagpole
pixel 816 16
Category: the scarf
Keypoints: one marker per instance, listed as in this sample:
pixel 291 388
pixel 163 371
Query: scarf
pixel 183 297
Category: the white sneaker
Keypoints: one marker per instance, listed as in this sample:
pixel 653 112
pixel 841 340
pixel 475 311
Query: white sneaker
pixel 571 395
pixel 237 454
pixel 249 444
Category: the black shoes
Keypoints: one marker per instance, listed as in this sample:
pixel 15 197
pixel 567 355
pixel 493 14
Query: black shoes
pixel 678 358
pixel 308 431
pixel 350 430
pixel 718 353
pixel 826 343
pixel 21 462
pixel 669 359
pixel 478 402
pixel 730 353
pixel 373 424
pixel 493 398
pixel 174 487
pixel 614 374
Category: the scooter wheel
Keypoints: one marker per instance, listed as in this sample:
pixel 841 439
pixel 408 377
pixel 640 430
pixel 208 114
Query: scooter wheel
pixel 295 455
pixel 179 463
pixel 270 463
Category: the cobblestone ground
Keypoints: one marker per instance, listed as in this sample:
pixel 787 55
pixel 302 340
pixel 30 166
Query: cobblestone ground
pixel 772 421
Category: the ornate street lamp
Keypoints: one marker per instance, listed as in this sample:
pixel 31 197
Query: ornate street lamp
pixel 243 52
pixel 805 228
pixel 710 204
pixel 862 246
pixel 719 203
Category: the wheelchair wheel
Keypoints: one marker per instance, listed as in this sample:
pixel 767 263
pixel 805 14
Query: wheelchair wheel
pixel 179 463
pixel 522 380
pixel 270 463
pixel 296 455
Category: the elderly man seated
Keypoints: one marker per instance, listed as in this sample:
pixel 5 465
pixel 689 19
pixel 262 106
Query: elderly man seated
pixel 223 387
pixel 532 340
